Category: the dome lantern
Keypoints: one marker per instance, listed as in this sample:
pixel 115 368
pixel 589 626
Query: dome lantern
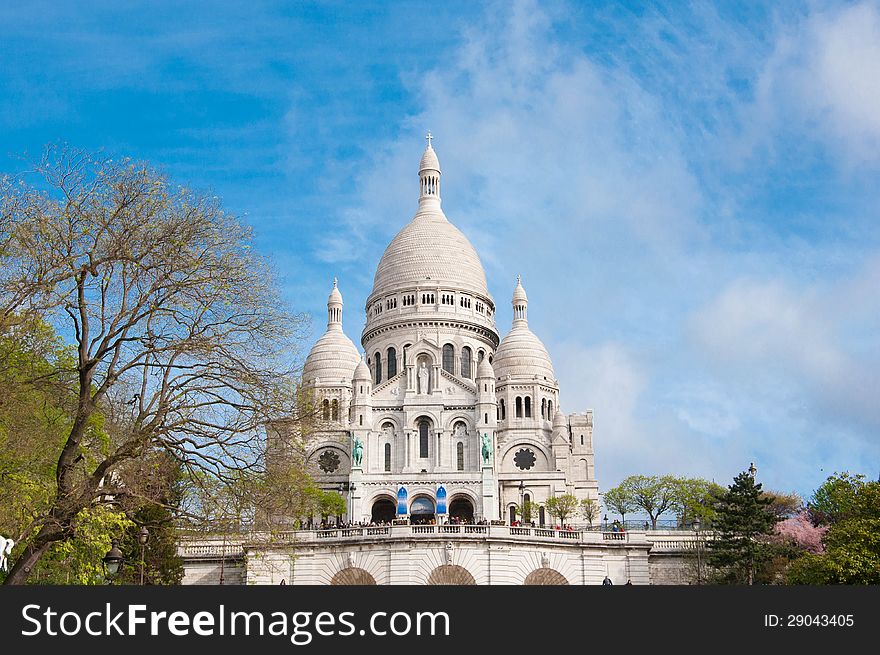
pixel 520 303
pixel 334 308
pixel 429 175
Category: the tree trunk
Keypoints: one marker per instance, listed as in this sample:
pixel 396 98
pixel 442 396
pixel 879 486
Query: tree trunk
pixel 23 567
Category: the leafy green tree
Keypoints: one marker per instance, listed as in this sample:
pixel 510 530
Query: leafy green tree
pixel 850 507
pixel 561 506
pixel 654 494
pixel 180 341
pixel 78 560
pixel 527 510
pixel 590 510
pixel 695 498
pixel 836 498
pixel 331 503
pixel 619 499
pixel 743 522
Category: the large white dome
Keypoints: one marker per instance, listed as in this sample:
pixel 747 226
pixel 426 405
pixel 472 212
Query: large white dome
pixel 430 248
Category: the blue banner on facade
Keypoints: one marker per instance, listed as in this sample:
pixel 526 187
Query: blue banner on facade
pixel 441 499
pixel 401 501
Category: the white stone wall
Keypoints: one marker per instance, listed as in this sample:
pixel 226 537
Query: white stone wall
pixel 412 562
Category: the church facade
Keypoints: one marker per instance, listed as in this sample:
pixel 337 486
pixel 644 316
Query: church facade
pixel 441 419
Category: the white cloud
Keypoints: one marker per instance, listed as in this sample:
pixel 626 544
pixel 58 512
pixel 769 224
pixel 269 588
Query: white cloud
pixel 824 80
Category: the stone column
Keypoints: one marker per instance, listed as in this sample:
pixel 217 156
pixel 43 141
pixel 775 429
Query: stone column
pixel 356 511
pixel 490 486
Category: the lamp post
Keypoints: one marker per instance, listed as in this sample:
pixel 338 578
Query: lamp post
pixel 605 523
pixel 143 538
pixel 112 561
pixel 699 557
pixel 347 487
pixel 522 509
pixel 752 470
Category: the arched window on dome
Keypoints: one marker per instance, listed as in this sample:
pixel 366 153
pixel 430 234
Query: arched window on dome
pixel 466 362
pixel 378 369
pixel 503 410
pixel 518 407
pixel 480 355
pixel 544 407
pixel 325 410
pixel 392 363
pixel 335 409
pixel 423 439
pixel 528 407
pixel 550 409
pixel 449 359
pixel 387 457
pixel 459 453
pixel 405 347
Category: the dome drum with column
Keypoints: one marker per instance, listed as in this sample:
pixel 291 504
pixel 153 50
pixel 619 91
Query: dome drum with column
pixel 436 388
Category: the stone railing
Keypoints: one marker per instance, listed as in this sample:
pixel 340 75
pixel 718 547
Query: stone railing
pixel 195 547
pixel 210 548
pixel 676 541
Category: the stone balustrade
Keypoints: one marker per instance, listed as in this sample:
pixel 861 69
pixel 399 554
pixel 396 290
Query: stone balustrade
pixel 234 546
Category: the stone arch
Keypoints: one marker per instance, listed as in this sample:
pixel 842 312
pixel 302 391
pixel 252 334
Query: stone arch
pixel 462 507
pixel 454 417
pixel 383 508
pixel 451 574
pixel 352 575
pixel 545 576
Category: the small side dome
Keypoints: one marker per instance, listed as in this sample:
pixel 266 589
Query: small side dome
pixel 362 371
pixel 521 355
pixel 485 370
pixel 333 358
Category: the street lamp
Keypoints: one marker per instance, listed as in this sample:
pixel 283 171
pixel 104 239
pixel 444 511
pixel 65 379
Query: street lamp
pixel 699 558
pixel 522 509
pixel 143 538
pixel 605 523
pixel 112 561
pixel 347 487
pixel 752 470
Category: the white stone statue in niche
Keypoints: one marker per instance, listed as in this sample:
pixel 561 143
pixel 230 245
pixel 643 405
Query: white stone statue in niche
pixel 423 379
pixel 5 551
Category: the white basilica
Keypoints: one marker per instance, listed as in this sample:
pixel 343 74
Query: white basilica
pixel 441 420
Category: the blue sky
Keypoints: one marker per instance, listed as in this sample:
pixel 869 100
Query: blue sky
pixel 689 192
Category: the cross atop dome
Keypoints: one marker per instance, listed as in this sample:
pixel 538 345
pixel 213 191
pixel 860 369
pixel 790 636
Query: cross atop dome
pixel 428 138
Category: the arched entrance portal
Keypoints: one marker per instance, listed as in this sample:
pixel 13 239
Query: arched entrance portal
pixel 461 510
pixel 545 576
pixel 450 574
pixel 421 511
pixel 352 576
pixel 383 511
